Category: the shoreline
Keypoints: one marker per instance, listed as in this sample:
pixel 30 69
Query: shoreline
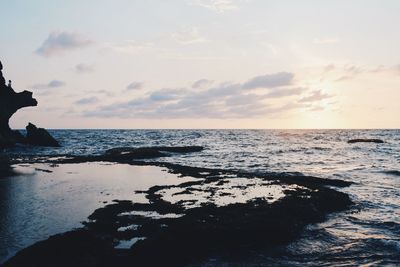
pixel 306 200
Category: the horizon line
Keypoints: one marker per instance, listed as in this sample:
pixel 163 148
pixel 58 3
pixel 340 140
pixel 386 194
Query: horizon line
pixel 216 128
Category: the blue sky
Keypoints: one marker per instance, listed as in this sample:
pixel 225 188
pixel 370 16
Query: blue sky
pixel 204 63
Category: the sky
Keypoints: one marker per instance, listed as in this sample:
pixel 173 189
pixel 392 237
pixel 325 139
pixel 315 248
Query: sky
pixel 204 63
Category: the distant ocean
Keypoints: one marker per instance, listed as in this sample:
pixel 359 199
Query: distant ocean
pixel 369 233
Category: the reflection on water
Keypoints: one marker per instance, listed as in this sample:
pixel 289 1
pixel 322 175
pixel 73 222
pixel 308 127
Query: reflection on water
pixel 225 192
pixel 45 200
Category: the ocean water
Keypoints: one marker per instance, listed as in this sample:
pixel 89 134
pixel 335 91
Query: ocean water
pixel 368 234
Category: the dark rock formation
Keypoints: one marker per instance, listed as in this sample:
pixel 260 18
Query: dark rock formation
pixel 10 102
pixel 133 153
pixel 5 167
pixel 39 137
pixel 148 152
pixel 78 248
pixel 365 140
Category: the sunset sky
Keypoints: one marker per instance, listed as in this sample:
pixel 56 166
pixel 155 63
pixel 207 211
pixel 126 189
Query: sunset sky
pixel 204 63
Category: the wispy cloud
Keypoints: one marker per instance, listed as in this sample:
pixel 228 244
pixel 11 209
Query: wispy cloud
pixel 167 94
pixel 349 71
pixel 188 36
pixel 343 78
pixel 202 83
pixel 59 42
pixel 282 92
pixel 269 80
pixel 87 101
pixel 315 96
pixel 329 68
pixel 135 86
pixel 83 68
pixel 49 85
pixel 219 6
pixel 227 100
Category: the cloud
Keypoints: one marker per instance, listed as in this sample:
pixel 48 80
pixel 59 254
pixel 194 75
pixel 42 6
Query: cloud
pixel 354 70
pixel 343 78
pixel 219 6
pixel 134 86
pixel 283 92
pixel 167 94
pixel 83 68
pixel 315 97
pixel 202 83
pixel 329 68
pixel 87 100
pixel 188 36
pixel 323 41
pixel 49 85
pixel 269 80
pixel 59 42
pixel 226 100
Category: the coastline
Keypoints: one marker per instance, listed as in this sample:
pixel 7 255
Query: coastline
pixel 175 231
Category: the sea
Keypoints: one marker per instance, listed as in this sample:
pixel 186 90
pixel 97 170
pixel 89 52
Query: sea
pixel 368 234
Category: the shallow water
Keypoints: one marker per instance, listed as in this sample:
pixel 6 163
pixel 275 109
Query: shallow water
pixel 367 234
pixel 45 200
pixel 237 190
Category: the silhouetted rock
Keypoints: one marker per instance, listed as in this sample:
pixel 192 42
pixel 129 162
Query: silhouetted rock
pixel 365 140
pixel 75 248
pixel 39 137
pixel 10 102
pixel 2 80
pixel 5 167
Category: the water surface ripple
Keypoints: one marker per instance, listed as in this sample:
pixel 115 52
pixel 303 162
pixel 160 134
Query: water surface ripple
pixel 367 234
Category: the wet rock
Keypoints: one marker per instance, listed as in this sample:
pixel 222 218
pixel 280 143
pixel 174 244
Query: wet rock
pixel 179 149
pixel 75 248
pixel 10 102
pixel 121 153
pixel 5 167
pixel 365 140
pixel 133 153
pixel 201 231
pixel 39 137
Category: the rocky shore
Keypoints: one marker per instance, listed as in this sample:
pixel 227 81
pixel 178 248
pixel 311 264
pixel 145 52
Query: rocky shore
pixel 223 212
